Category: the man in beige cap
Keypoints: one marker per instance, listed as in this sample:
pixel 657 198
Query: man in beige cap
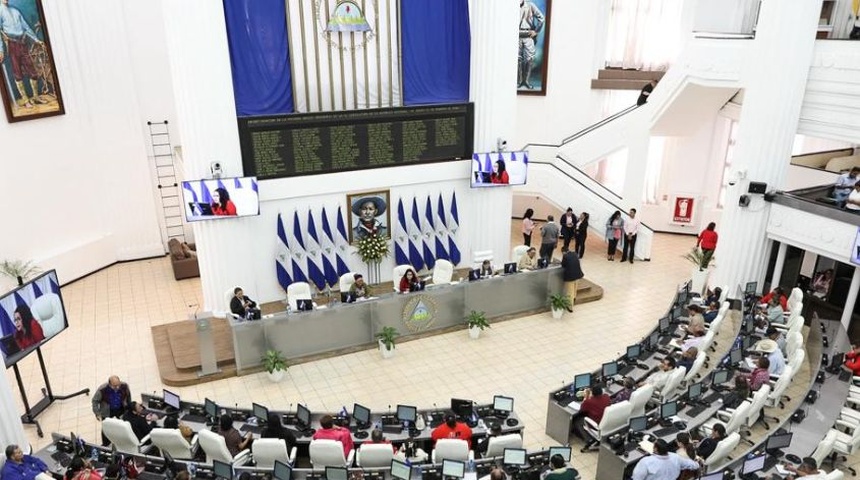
pixel 774 355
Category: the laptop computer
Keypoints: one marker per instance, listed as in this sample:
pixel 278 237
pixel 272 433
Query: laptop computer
pixel 10 346
pixel 304 305
pixel 418 286
pixel 345 297
pixel 542 263
pixel 200 208
pixel 510 268
pixel 474 274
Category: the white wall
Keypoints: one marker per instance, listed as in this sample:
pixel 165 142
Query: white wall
pixel 77 185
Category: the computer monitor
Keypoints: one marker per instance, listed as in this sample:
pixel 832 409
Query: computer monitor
pixel 474 274
pixel 171 399
pixel 453 468
pixel 211 408
pixel 668 409
pixel 510 268
pixel 736 356
pixel 720 377
pixel 610 369
pixel 282 471
pixel 751 288
pixel 695 391
pixel 713 476
pixel 400 470
pixel 563 451
pixel 633 352
pixel 653 340
pixel 749 326
pixel 406 413
pixel 779 440
pixel 583 380
pixel 754 464
pixel 260 412
pixel 664 324
pixel 361 414
pixel 515 457
pixel 336 473
pixel 303 415
pixel 543 263
pixel 503 404
pixel 304 304
pixel 638 424
pixel 222 470
pixel 746 342
pixel 461 407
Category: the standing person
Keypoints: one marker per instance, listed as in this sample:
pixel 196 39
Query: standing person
pixel 662 464
pixel 531 23
pixel 111 399
pixel 631 230
pixel 581 234
pixel 708 242
pixel 568 228
pixel 549 238
pixel 614 227
pixel 844 184
pixel 571 273
pixel 646 92
pixel 23 467
pixel 528 227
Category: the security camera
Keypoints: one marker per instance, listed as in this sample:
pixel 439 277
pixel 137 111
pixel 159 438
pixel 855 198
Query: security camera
pixel 215 168
pixel 501 144
pixel 732 182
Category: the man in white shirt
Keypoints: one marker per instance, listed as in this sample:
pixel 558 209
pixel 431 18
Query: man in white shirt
pixel 662 464
pixel 661 376
pixel 808 469
pixel 631 229
pixel 774 354
pixel 844 184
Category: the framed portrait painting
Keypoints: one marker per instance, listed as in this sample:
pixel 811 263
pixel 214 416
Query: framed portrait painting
pixel 30 88
pixel 533 46
pixel 369 214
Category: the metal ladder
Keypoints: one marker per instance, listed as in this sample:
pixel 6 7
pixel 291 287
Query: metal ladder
pixel 168 184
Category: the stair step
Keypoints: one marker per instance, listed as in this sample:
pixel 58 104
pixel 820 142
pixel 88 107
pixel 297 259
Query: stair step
pixel 617 84
pixel 621 74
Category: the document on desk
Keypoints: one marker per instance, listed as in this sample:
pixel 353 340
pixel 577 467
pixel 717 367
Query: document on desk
pixel 751 363
pixel 646 446
pixel 575 406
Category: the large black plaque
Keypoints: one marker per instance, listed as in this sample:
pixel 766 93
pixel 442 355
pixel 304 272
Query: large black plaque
pixel 312 143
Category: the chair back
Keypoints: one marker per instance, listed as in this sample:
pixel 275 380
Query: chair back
pixel 670 389
pixel 298 291
pixel 708 340
pixel 724 307
pixel 518 252
pixel 779 387
pixel 346 281
pixel 326 453
pixel 497 445
pixel 442 272
pixel 451 449
pixel 398 273
pixel 739 417
pixel 794 298
pixel 170 440
pixel 246 201
pixel 797 360
pixel 615 417
pixel 639 399
pixel 724 448
pixel 374 455
pixel 267 450
pixel 698 363
pixel 724 293
pixel 481 255
pixel 120 433
pixel 48 311
pixel 835 474
pixel 758 401
pixel 793 341
pixel 825 448
pixel 214 446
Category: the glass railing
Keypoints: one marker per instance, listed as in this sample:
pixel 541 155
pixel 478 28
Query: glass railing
pixel 726 18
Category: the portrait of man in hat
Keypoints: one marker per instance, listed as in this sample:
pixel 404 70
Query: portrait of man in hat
pixel 370 215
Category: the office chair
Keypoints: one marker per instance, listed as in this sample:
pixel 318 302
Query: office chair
pixel 481 255
pixel 724 448
pixel 756 413
pixel 518 252
pixel 639 400
pixel 835 475
pixel 797 360
pixel 724 293
pixel 451 449
pixel 49 312
pixel 298 291
pixel 698 363
pixel 266 450
pixel 346 281
pixel 670 390
pixel 398 273
pixel 795 298
pixel 732 419
pixel 778 389
pixel 329 453
pixel 121 435
pixel 497 445
pixel 614 418
pixel 442 272
pixel 372 455
pixel 707 342
pixel 824 449
pixel 228 297
pixel 847 441
pixel 170 440
pixel 793 341
pixel 215 448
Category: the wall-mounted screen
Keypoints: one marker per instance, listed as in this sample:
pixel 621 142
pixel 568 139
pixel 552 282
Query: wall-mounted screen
pixel 30 315
pixel 498 169
pixel 220 198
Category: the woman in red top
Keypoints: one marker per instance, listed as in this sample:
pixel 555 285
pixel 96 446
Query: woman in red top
pixel 28 331
pixel 708 242
pixel 852 360
pixel 221 204
pixel 500 174
pixel 407 281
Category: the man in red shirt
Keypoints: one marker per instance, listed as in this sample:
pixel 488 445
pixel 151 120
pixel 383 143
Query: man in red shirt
pixel 452 429
pixel 331 432
pixel 760 375
pixel 593 405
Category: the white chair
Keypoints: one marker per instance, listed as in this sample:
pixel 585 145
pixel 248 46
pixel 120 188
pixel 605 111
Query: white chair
pixel 397 274
pixel 847 440
pixel 724 448
pixel 778 389
pixel 120 434
pixel 759 399
pixel 797 360
pixel 266 450
pixel 698 363
pixel 724 307
pixel 298 291
pixel 442 272
pixel 639 399
pixel 346 281
pixel 481 255
pixel 170 440
pixel 723 294
pixel 835 475
pixel 794 299
pixel 708 341
pixel 215 448
pixel 246 201
pixel 329 453
pixel 825 448
pixel 497 445
pixel 371 455
pixel 732 419
pixel 518 252
pixel 793 341
pixel 452 449
pixel 48 310
pixel 670 389
pixel 614 418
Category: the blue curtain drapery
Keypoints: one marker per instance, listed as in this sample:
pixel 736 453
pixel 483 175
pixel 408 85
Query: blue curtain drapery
pixel 259 56
pixel 435 49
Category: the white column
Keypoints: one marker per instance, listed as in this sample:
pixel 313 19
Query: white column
pixel 206 114
pixel 775 85
pixel 493 89
pixel 851 300
pixel 780 263
pixel 11 429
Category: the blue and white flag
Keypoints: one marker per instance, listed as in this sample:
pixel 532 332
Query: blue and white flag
pixel 318 253
pixel 329 246
pixel 453 226
pixel 6 324
pixel 37 292
pixel 341 241
pixel 54 287
pixel 441 231
pixel 311 250
pixel 413 232
pixel 283 256
pixel 298 251
pixel 418 233
pixel 430 231
pixel 401 237
pixel 205 195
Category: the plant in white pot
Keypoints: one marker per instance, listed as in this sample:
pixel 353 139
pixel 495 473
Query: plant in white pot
pixel 386 341
pixel 558 303
pixel 701 261
pixel 477 321
pixel 275 364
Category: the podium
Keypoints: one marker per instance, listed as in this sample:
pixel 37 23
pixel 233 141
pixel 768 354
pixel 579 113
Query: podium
pixel 205 344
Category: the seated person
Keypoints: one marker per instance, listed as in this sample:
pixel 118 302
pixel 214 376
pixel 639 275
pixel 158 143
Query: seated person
pixel 777 336
pixel 775 311
pixel 452 429
pixel 560 469
pixel 852 359
pixel 711 314
pixel 844 185
pixel 486 269
pixel 28 330
pixel 275 429
pixel 409 282
pixel 141 423
pixel 529 261
pixel 242 306
pixel 693 341
pixel 234 440
pixel 593 405
pixel 330 431
pixel 697 325
pixel 482 443
pixel 779 294
pixel 359 289
pixel 79 469
pixel 688 357
pixel 714 296
pixel 376 436
pixel 626 391
pixel 661 376
pixel 760 376
pixel 23 467
pixel 822 282
pixel 707 446
pixel 171 421
pixel 774 355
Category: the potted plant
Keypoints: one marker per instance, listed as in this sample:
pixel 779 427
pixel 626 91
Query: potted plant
pixel 558 303
pixel 275 364
pixel 386 341
pixel 477 321
pixel 18 270
pixel 701 262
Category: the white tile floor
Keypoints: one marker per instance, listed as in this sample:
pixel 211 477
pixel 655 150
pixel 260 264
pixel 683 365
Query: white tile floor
pixel 110 314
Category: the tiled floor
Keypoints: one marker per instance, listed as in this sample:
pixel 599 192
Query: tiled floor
pixel 111 312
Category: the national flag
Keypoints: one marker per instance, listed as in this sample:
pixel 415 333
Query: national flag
pixel 205 195
pixel 237 183
pixel 430 231
pixel 19 300
pixel 488 164
pixel 453 226
pixel 187 186
pixel 283 257
pixel 405 251
pixel 316 252
pixel 54 287
pixel 37 292
pixel 418 235
pixel 341 240
pixel 298 251
pixel 221 184
pixel 330 249
pixel 254 186
pixel 6 323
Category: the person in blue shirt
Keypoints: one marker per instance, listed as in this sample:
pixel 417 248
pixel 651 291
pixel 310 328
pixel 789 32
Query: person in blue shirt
pixel 662 464
pixel 23 467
